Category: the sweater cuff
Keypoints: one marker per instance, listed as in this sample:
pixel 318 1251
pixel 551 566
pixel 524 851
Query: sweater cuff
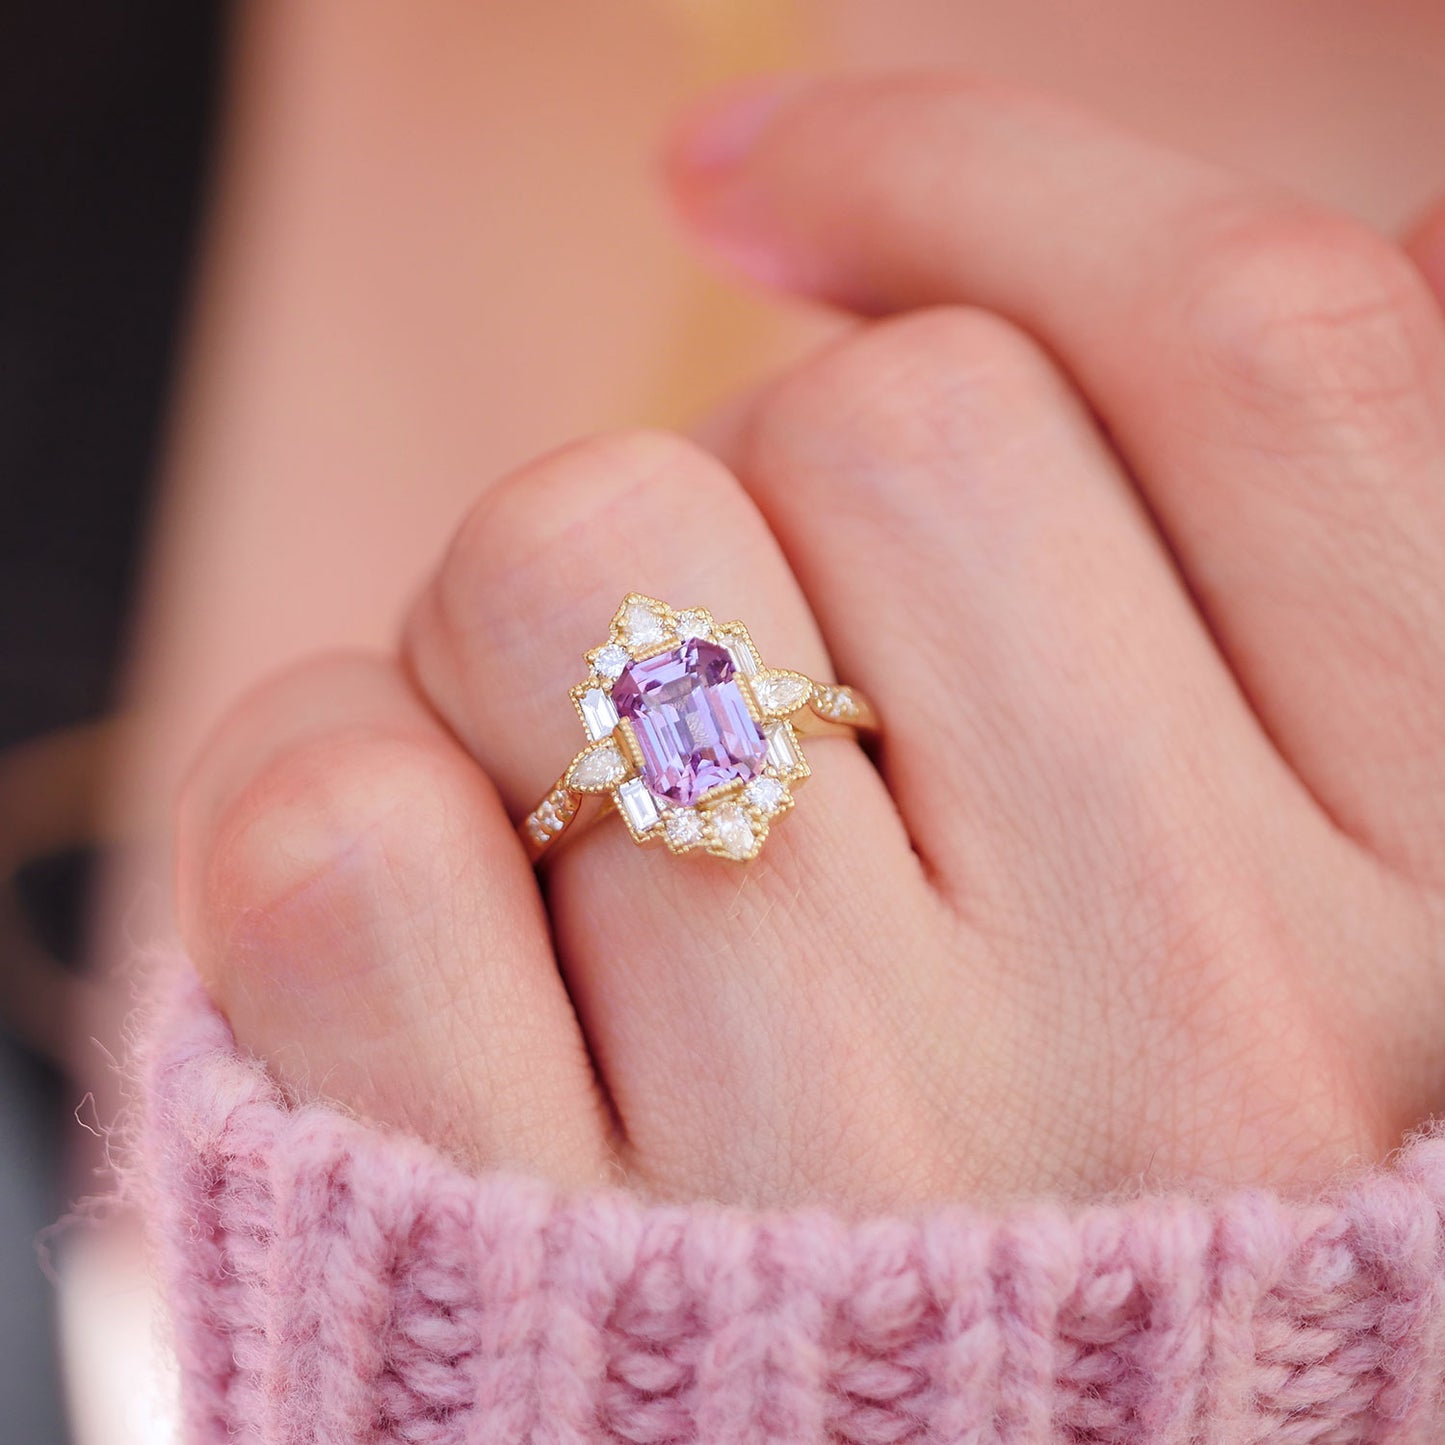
pixel 332 1282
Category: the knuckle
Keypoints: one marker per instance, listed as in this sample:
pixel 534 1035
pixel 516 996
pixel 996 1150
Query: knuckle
pixel 526 511
pixel 946 382
pixel 314 687
pixel 557 506
pixel 1316 313
pixel 362 809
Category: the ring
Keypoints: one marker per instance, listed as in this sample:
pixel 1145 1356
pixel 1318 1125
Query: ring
pixel 690 738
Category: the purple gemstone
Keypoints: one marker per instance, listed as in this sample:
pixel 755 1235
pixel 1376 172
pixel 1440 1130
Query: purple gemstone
pixel 690 721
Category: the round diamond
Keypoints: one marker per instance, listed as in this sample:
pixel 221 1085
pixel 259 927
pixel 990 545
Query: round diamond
pixel 693 624
pixel 765 793
pixel 643 626
pixel 836 703
pixel 610 661
pixel 733 830
pixel 684 828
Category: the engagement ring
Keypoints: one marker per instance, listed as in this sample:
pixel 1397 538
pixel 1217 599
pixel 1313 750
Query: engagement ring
pixel 691 739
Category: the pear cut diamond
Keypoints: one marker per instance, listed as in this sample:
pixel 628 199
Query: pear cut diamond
pixel 598 768
pixel 781 692
pixel 733 831
pixel 642 625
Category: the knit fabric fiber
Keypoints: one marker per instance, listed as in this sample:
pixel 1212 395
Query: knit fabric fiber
pixel 331 1282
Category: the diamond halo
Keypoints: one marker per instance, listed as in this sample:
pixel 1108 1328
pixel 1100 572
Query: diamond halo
pixel 689 736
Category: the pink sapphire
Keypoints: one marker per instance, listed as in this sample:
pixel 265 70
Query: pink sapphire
pixel 690 721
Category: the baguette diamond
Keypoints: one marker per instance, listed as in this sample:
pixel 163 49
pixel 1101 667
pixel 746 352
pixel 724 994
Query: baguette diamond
pixel 638 806
pixel 599 717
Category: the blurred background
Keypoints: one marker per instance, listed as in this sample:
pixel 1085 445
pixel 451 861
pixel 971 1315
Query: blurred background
pixel 282 285
pixel 106 120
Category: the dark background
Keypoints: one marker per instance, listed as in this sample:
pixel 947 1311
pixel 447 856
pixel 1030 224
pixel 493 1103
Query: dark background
pixel 106 120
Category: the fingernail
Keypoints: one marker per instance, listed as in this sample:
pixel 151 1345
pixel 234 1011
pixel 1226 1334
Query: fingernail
pixel 719 136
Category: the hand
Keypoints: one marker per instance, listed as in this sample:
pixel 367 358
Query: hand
pixel 1132 522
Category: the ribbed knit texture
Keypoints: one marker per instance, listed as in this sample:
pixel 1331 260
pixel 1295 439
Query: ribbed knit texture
pixel 334 1283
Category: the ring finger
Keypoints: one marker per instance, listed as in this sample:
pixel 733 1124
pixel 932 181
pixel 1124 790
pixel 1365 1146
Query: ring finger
pixel 694 982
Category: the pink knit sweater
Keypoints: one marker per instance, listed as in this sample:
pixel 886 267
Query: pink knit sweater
pixel 334 1283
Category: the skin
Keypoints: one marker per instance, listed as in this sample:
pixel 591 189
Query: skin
pixel 1135 530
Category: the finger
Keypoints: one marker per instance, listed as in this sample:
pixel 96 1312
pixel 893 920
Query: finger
pixel 1057 675
pixel 685 970
pixel 1075 760
pixel 356 900
pixel 1426 247
pixel 1275 377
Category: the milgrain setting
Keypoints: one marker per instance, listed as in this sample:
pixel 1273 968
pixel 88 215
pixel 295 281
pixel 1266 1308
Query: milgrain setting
pixel 690 738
